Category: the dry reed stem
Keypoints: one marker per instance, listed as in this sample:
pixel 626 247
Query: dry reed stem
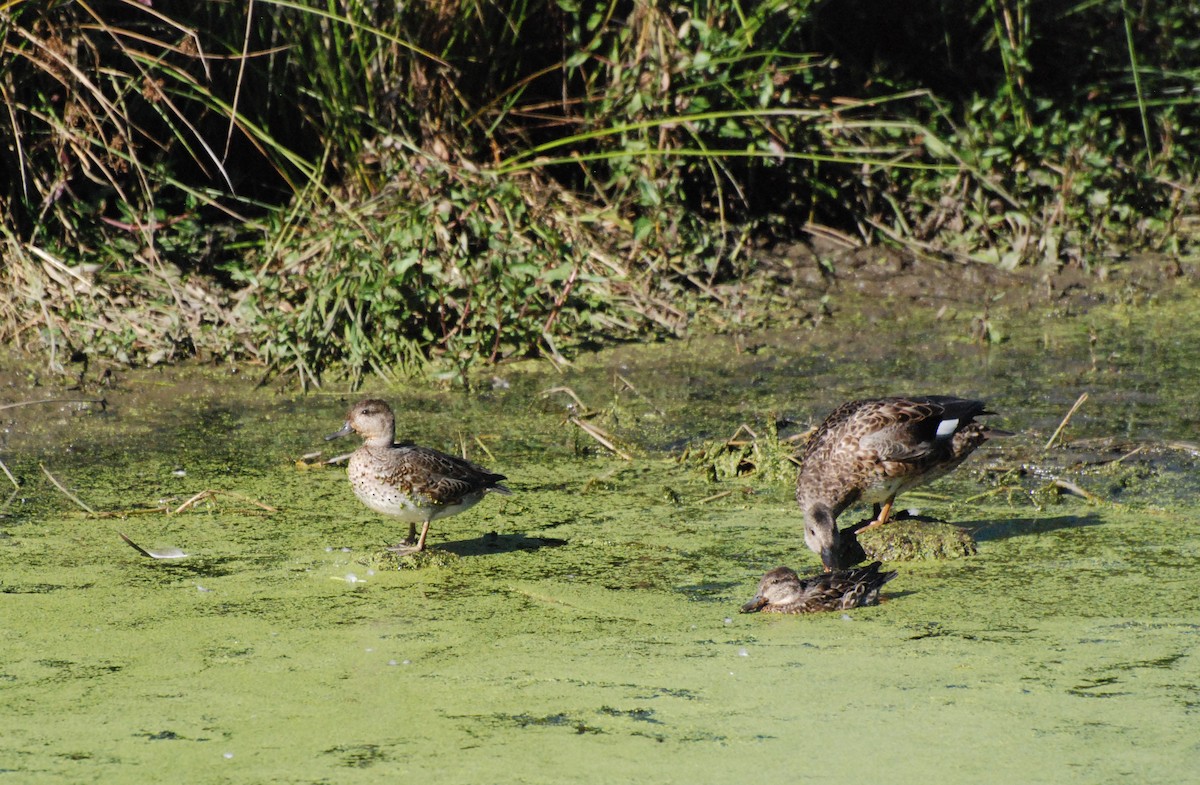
pixel 100 401
pixel 568 391
pixel 1065 420
pixel 483 447
pixel 600 436
pixel 1129 454
pixel 641 395
pixel 211 492
pixel 831 234
pixel 801 437
pixel 556 359
pixel 734 441
pixel 63 488
pixel 8 502
pixel 1075 490
pixel 9 475
pixel 123 514
pixel 1010 489
pixel 716 496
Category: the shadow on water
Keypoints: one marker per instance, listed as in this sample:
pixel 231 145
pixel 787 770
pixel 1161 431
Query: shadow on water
pixel 493 543
pixel 986 531
pixel 163 570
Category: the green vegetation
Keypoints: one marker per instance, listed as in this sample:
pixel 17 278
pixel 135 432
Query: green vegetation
pixel 585 629
pixel 341 188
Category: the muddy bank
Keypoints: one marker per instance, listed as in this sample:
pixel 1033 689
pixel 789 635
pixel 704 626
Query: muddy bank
pixel 894 278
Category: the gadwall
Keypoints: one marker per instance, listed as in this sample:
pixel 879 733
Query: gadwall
pixel 873 450
pixel 414 484
pixel 783 591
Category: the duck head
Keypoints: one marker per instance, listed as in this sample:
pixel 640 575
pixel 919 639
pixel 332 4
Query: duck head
pixel 372 420
pixel 780 586
pixel 821 536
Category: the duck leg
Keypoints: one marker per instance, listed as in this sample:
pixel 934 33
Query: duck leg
pixel 882 516
pixel 412 543
pixel 421 540
pixel 406 545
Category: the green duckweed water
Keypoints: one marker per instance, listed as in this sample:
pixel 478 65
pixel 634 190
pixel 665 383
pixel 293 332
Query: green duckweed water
pixel 585 629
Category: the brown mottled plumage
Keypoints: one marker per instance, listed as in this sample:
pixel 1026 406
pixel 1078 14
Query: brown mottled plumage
pixel 414 484
pixel 783 591
pixel 875 449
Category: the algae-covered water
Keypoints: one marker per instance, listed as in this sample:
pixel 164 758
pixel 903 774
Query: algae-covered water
pixel 585 629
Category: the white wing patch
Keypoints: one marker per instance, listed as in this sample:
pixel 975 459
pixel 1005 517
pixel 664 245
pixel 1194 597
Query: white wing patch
pixel 946 428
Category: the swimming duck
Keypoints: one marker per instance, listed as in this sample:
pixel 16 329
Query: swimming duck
pixel 414 484
pixel 872 450
pixel 783 591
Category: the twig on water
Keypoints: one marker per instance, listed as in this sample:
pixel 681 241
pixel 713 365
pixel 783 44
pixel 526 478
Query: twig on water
pixel 1075 490
pixel 1129 454
pixel 641 395
pixel 63 488
pixel 210 493
pixel 557 360
pixel 1006 489
pixel 599 480
pixel 801 437
pixel 483 447
pixel 737 441
pixel 9 475
pixel 600 436
pixel 1191 447
pixel 123 514
pixel 1065 420
pixel 716 496
pixel 103 403
pixel 582 406
pixel 8 502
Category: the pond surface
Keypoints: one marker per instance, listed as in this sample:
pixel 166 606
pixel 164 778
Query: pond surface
pixel 585 629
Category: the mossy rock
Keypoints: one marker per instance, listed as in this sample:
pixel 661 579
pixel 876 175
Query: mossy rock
pixel 391 560
pixel 916 540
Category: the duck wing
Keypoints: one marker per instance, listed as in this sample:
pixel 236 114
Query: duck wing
pixel 446 478
pixel 907 430
pixel 846 589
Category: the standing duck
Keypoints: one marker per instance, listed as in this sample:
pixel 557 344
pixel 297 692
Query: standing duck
pixel 414 484
pixel 783 591
pixel 872 450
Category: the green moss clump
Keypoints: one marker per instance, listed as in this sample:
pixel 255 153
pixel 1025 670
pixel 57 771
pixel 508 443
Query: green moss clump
pixel 914 540
pixel 392 560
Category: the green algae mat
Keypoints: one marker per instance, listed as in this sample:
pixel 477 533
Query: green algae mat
pixel 585 629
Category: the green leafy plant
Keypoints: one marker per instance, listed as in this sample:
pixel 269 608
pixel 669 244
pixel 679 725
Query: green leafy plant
pixel 339 188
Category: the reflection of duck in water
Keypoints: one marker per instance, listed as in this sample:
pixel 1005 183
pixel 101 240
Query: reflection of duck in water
pixel 414 484
pixel 783 591
pixel 873 450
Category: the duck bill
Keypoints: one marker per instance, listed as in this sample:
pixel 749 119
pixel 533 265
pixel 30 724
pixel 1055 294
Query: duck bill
pixel 754 604
pixel 345 431
pixel 829 559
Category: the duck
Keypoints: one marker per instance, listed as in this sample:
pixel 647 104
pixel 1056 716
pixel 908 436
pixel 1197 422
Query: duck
pixel 874 449
pixel 783 591
pixel 412 483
